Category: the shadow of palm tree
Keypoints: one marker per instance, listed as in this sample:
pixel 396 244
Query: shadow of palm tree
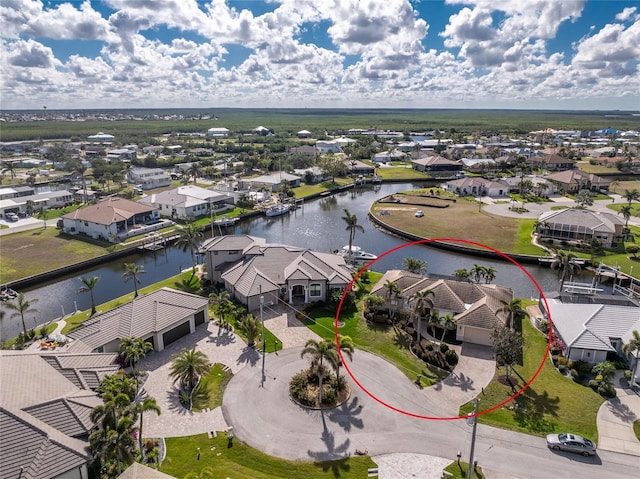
pixel 173 400
pixel 224 338
pixel 531 409
pixel 345 415
pixel 334 453
pixel 461 381
pixel 200 398
pixel 248 356
pixel 621 411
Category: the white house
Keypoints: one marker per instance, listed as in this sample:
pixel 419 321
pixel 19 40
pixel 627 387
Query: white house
pixel 476 186
pixel 272 181
pixel 217 132
pixel 188 202
pixel 100 137
pixel 149 178
pixel 326 146
pixel 37 201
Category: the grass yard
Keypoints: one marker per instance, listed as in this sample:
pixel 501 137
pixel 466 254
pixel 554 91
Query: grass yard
pixel 400 173
pixel 596 169
pixel 620 186
pixel 460 471
pixel 211 388
pixel 30 252
pixel 381 340
pixel 462 219
pixel 552 403
pixel 243 462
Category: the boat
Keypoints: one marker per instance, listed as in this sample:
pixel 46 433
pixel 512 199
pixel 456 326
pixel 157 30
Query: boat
pixel 278 209
pixel 224 221
pixel 356 255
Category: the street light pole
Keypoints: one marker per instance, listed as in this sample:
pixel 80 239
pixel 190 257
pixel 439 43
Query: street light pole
pixel 472 417
pixel 264 350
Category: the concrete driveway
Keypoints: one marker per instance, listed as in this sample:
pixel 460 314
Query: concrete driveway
pixel 615 421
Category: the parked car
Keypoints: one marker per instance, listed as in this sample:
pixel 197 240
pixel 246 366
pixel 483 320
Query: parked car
pixel 11 217
pixel 572 443
pixel 419 214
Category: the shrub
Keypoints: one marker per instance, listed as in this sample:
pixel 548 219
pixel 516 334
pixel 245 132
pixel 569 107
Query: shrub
pixel 451 357
pixel 444 347
pixel 575 375
pixel 329 395
pixel 544 326
pixel 554 359
pixel 562 361
pixel 627 374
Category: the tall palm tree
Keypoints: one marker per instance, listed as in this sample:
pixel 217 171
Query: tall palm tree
pixel 194 170
pixel 626 211
pixel 113 447
pixel 133 350
pixel 114 406
pixel 221 304
pixel 189 239
pixel 321 351
pixel 21 307
pixel 489 274
pixel 631 195
pixel 188 366
pixel 149 404
pixel 514 311
pixel 448 322
pixel 89 284
pixel 433 321
pixel 633 346
pixel 132 272
pixel 565 263
pixel 477 272
pixel 352 226
pixel 347 348
pixel 393 292
pixel 422 305
pixel 414 265
pixel 81 171
pixel 9 167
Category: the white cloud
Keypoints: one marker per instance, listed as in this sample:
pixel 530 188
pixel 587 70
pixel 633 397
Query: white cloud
pixel 627 14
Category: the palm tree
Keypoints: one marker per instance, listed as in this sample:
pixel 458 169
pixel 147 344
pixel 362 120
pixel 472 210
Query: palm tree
pixel 633 346
pixel 432 321
pixel 133 350
pixel 626 211
pixel 414 265
pixel 462 273
pixel 448 322
pixel 352 227
pixel 194 170
pixel 89 284
pixel 347 348
pixel 132 272
pixel 149 404
pixel 21 307
pixel 188 366
pixel 114 445
pixel 564 262
pixel 393 292
pixel 114 406
pixel 9 167
pixel 189 239
pixel 514 310
pixel 477 272
pixel 489 274
pixel 221 304
pixel 81 170
pixel 422 305
pixel 631 195
pixel 249 326
pixel 321 351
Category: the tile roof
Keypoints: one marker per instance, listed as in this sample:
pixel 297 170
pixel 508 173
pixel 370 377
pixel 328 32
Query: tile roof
pixel 231 242
pixel 184 196
pixel 575 219
pixel 140 471
pixel 108 211
pixel 145 315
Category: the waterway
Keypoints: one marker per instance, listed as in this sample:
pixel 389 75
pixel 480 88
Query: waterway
pixel 316 225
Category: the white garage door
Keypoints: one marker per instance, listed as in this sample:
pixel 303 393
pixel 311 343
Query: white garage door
pixel 477 336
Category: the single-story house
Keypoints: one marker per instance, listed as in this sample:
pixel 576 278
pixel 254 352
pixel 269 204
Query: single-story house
pixel 306 150
pixel 476 165
pixel 100 136
pixel 304 134
pixel 272 181
pixel 552 162
pixel 140 471
pixel 389 156
pixel 315 174
pixel 572 181
pixel 110 217
pixel 581 226
pixel 592 326
pixel 160 318
pixel 436 164
pixel 122 154
pixel 149 178
pixel 16 191
pixel 188 202
pixel 250 268
pixel 357 167
pixel 262 131
pixel 327 146
pixel 541 186
pixel 217 132
pixel 476 186
pixel 37 201
pixel 476 308
pixel 45 414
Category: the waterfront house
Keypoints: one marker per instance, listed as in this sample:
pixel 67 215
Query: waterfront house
pixel 572 181
pixel 188 202
pixel 149 178
pixel 160 318
pixel 581 226
pixel 249 268
pixel 436 165
pixel 474 307
pixel 476 186
pixel 271 182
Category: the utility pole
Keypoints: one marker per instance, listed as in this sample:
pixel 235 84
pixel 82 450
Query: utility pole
pixel 472 420
pixel 264 343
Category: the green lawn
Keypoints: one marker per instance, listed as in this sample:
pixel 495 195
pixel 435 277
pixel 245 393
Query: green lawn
pixel 552 403
pixel 460 471
pixel 636 429
pixel 381 340
pixel 400 172
pixel 243 462
pixel 211 388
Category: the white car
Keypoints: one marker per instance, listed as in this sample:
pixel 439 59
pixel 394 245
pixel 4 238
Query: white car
pixel 419 214
pixel 572 443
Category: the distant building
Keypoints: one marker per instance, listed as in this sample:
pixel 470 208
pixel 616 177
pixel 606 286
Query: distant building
pixel 304 134
pixel 188 202
pixel 149 178
pixel 100 137
pixel 217 132
pixel 272 181
pixel 436 165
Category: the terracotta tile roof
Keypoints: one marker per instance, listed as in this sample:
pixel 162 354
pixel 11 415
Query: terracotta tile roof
pixel 109 211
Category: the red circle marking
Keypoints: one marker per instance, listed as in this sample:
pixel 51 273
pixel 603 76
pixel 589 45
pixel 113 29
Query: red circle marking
pixel 450 240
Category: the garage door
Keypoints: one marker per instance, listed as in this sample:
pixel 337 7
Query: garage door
pixel 477 336
pixel 176 333
pixel 199 318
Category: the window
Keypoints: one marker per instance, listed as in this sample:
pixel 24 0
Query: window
pixel 315 290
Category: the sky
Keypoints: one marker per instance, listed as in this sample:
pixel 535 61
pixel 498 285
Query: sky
pixel 505 54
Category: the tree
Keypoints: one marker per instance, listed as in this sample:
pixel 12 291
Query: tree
pixel 188 366
pixel 477 272
pixel 21 307
pixel 633 346
pixel 605 370
pixel 373 302
pixel 565 263
pixel 514 311
pixel 631 195
pixel 189 239
pixel 507 345
pixel 89 284
pixel 489 274
pixel 448 322
pixel 422 304
pixel 461 274
pixel 132 272
pixel 626 211
pixel 633 249
pixel 352 227
pixel 249 326
pixel 80 169
pixel 347 348
pixel 133 350
pixel 321 351
pixel 9 167
pixel 393 292
pixel 584 198
pixel 433 321
pixel 414 265
pixel 194 171
pixel 149 404
pixel 333 166
pixel 222 305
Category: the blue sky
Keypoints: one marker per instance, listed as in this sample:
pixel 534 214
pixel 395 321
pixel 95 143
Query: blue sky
pixel 533 54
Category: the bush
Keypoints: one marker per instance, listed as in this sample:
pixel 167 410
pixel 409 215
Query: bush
pixel 444 347
pixel 627 374
pixel 451 357
pixel 575 375
pixel 583 368
pixel 562 361
pixel 544 326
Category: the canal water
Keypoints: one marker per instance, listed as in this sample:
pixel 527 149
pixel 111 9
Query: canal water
pixel 316 224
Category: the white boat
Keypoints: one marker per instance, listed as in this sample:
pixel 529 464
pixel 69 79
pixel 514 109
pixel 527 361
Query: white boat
pixel 278 209
pixel 225 221
pixel 356 255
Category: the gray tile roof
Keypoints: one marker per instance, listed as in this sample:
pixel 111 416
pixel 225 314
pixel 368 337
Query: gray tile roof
pixel 574 219
pixel 140 471
pixel 139 318
pixel 231 242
